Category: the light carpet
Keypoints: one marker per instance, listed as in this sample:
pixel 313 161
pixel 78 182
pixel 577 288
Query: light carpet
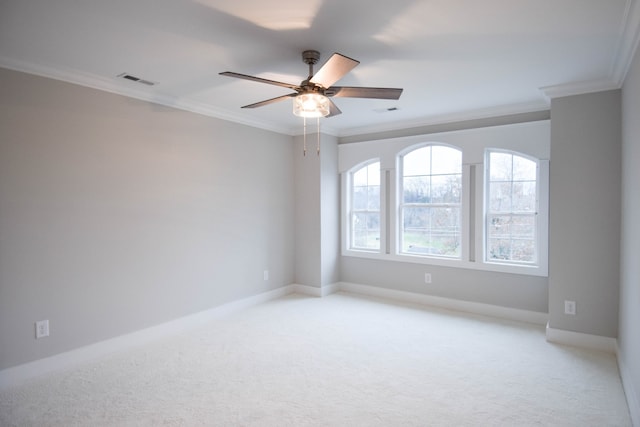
pixel 342 360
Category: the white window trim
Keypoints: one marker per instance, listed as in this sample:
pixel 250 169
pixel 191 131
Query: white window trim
pixel 397 198
pixel 346 200
pixel 531 139
pixel 542 171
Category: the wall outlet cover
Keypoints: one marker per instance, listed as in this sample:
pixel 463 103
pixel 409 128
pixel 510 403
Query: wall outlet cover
pixel 42 329
pixel 570 307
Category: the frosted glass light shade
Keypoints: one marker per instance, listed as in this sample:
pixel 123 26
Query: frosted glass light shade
pixel 311 105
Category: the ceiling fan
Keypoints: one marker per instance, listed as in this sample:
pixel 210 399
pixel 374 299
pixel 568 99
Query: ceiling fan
pixel 311 96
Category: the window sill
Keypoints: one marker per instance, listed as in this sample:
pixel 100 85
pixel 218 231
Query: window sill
pixel 527 270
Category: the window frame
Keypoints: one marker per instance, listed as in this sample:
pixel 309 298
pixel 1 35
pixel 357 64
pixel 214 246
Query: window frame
pixel 531 139
pixel 401 205
pixel 488 212
pixel 352 211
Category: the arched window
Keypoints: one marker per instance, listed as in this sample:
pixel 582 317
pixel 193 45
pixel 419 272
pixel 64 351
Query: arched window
pixel 430 201
pixel 511 208
pixel 364 207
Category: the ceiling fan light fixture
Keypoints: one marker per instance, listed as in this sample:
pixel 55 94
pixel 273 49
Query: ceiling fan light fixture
pixel 311 105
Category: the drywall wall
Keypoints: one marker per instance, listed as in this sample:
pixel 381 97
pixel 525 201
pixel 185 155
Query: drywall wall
pixel 317 208
pixel 117 214
pixel 628 336
pixel 330 211
pixel 307 215
pixel 502 289
pixel 510 290
pixel 584 241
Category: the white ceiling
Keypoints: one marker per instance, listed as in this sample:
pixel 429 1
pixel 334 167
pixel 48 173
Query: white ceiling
pixel 455 59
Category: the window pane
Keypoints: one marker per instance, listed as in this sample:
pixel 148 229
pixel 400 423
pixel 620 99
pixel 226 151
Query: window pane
pixel 523 250
pixel 373 174
pixel 446 189
pixel 416 189
pixel 500 197
pixel 501 166
pixel 445 160
pixel 511 221
pixel 414 218
pixel 499 249
pixel 499 226
pixel 415 238
pixel 366 231
pixel 524 196
pixel 373 198
pixel 360 197
pixel 360 177
pixel 431 231
pixel 523 226
pixel 428 227
pixel 365 207
pixel 417 162
pixel 445 231
pixel 523 169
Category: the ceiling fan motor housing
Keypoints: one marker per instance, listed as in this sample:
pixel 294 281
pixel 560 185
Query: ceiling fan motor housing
pixel 310 57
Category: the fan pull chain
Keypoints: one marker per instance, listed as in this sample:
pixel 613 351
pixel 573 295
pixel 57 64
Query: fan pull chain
pixel 318 126
pixel 304 136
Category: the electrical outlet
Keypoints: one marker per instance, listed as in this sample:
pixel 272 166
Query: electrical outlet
pixel 265 275
pixel 42 329
pixel 570 307
pixel 427 277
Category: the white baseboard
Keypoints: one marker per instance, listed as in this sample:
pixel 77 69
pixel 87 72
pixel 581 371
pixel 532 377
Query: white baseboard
pixel 18 374
pixel 578 339
pixel 315 291
pixel 311 291
pixel 448 303
pixel 630 392
pixel 330 289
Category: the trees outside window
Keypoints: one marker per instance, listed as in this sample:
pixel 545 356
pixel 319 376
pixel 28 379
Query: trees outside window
pixel 430 206
pixel 511 208
pixel 365 207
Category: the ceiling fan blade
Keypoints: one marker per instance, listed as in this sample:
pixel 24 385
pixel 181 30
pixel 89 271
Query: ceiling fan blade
pixel 333 109
pixel 364 92
pixel 270 101
pixel 333 70
pixel 259 79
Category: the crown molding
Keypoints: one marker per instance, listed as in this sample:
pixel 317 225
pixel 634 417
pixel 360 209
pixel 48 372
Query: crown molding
pixel 111 85
pixel 628 40
pixel 577 88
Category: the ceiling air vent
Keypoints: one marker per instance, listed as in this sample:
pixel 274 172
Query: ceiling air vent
pixel 136 79
pixel 386 110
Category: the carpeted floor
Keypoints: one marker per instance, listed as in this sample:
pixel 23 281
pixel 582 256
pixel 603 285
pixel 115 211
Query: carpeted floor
pixel 342 360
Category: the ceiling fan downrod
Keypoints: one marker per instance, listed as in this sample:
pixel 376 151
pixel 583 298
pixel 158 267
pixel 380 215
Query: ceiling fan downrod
pixel 310 57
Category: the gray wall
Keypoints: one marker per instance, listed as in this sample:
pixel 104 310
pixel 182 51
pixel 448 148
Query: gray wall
pixel 629 321
pixel 307 215
pixel 317 225
pixel 330 211
pixel 117 214
pixel 507 290
pixel 584 241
